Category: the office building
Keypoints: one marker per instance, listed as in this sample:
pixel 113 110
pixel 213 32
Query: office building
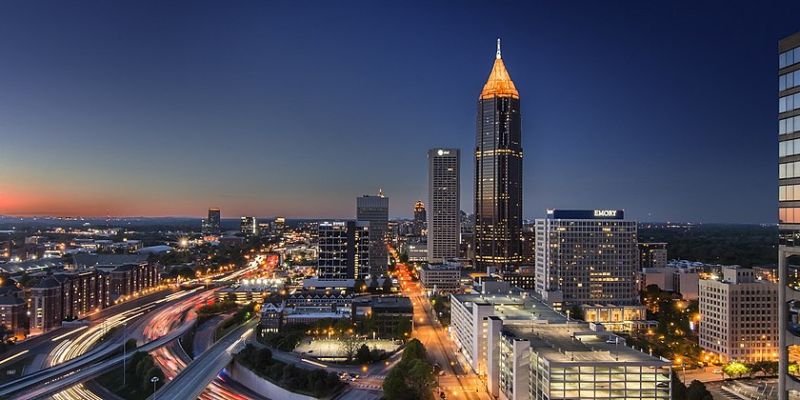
pixel 344 250
pixel 441 278
pixel 740 316
pixel 498 171
pixel 375 210
pixel 526 350
pixel 45 306
pixel 249 226
pixel 678 276
pixel 444 220
pixel 420 218
pixel 279 225
pixel 213 224
pixel 652 255
pixel 587 257
pixel 523 277
pixel 788 205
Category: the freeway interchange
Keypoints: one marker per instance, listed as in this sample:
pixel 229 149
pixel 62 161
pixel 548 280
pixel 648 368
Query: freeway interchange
pixel 60 361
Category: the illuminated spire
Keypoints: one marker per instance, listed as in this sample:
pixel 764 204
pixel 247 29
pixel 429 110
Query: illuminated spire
pixel 499 83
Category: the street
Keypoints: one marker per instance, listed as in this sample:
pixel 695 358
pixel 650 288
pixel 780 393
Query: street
pixel 458 380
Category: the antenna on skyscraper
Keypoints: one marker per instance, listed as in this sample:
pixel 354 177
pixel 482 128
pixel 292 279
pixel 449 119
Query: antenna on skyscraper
pixel 498 49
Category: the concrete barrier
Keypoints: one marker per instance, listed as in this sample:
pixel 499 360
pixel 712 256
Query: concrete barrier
pixel 252 381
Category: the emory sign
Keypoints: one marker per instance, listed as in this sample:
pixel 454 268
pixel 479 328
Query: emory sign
pixel 605 213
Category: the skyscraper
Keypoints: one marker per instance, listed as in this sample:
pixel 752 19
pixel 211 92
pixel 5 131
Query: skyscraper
pixel 212 224
pixel 375 210
pixel 249 226
pixel 498 171
pixel 789 208
pixel 343 250
pixel 420 218
pixel 444 222
pixel 587 257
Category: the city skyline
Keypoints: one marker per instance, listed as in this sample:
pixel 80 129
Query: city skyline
pixel 102 118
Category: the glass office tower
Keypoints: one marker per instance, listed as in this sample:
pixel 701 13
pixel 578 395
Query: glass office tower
pixel 498 171
pixel 788 211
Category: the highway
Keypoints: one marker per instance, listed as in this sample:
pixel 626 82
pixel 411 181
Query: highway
pixel 78 352
pixel 192 381
pixel 458 381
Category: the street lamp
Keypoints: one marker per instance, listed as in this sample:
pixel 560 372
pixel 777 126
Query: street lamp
pixel 154 380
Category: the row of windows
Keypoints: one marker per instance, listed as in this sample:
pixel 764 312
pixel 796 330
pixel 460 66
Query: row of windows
pixel 789 148
pixel 788 81
pixel 789 215
pixel 789 57
pixel 789 170
pixel 789 125
pixel 789 103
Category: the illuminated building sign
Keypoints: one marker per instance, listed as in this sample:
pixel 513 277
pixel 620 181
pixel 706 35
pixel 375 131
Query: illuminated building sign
pixel 585 214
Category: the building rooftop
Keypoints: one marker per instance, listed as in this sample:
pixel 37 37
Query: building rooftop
pixel 499 83
pixel 574 343
pixel 84 260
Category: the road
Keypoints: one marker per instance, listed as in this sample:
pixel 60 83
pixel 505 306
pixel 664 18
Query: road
pixel 458 380
pixel 192 381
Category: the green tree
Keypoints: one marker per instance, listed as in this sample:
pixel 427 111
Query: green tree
pixel 395 387
pixel 414 350
pixel 735 369
pixel 403 328
pixel 420 378
pixel 678 388
pixel 387 284
pixel 363 354
pixel 576 312
pixel 373 285
pixel 697 391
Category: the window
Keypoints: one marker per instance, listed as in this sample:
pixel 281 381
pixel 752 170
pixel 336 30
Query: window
pixel 789 125
pixel 788 81
pixel 789 57
pixel 789 103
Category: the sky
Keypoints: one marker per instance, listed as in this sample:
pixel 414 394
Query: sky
pixel 153 108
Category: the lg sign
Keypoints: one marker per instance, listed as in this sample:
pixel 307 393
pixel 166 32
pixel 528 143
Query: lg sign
pixel 605 213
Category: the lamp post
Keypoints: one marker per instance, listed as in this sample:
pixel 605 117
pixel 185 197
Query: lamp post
pixel 154 380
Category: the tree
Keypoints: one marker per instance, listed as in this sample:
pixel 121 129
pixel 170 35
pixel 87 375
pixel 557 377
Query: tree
pixel 403 328
pixel 363 354
pixel 697 391
pixel 420 378
pixel 735 369
pixel 395 387
pixel 414 350
pixel 373 284
pixel 359 285
pixel 576 312
pixel 387 284
pixel 262 358
pixel 678 388
pixel 350 345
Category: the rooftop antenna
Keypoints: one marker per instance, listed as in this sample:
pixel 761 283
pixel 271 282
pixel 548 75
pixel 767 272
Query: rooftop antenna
pixel 498 49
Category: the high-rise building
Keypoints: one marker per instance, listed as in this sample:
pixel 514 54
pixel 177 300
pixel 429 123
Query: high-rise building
pixel 279 225
pixel 498 171
pixel 375 210
pixel 587 257
pixel 249 226
pixel 740 316
pixel 444 220
pixel 789 207
pixel 212 224
pixel 652 255
pixel 344 250
pixel 420 218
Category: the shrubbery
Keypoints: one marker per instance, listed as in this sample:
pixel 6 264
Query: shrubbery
pixel 412 377
pixel 317 383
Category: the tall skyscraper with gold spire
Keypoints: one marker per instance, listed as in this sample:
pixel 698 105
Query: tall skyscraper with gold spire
pixel 498 171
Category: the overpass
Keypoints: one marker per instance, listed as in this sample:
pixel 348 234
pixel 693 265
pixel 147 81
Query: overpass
pixel 55 379
pixel 205 368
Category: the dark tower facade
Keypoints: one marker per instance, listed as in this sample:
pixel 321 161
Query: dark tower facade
pixel 498 171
